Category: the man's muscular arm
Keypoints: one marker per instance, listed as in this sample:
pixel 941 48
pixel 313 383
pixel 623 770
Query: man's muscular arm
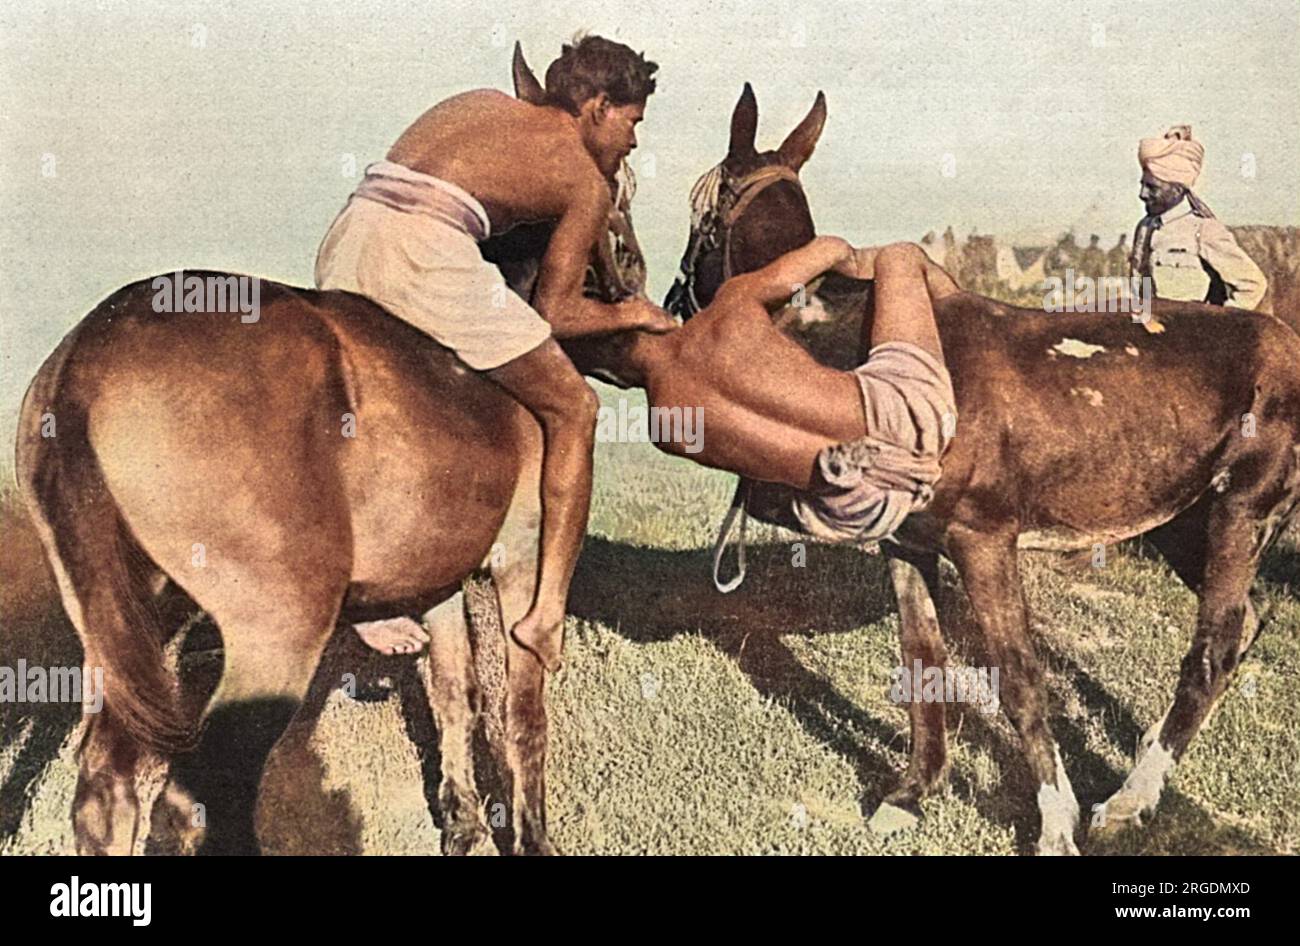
pixel 780 279
pixel 560 299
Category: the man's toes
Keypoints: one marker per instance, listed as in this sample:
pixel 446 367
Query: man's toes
pixel 395 636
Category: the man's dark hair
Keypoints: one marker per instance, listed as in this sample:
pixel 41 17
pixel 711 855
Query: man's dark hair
pixel 593 64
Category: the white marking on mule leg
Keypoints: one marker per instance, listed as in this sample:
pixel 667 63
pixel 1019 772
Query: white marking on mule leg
pixel 1141 791
pixel 1075 348
pixel 890 819
pixel 1059 810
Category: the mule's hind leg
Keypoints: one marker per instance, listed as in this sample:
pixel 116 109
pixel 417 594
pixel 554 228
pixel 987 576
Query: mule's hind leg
pixel 274 629
pixel 453 691
pixel 514 565
pixel 916 585
pixel 1226 626
pixel 105 807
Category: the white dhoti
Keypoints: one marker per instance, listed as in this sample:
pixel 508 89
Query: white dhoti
pixel 409 242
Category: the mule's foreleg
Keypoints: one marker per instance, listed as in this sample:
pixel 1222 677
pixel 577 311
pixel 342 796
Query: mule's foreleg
pixel 915 578
pixel 990 571
pixel 453 692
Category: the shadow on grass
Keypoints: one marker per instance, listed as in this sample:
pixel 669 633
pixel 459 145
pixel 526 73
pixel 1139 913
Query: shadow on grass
pixel 40 728
pixel 650 595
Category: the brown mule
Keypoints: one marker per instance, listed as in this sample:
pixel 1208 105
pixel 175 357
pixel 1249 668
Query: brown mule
pixel 325 461
pixel 1077 430
pixel 322 462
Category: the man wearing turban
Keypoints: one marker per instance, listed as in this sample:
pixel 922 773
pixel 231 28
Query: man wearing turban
pixel 1188 253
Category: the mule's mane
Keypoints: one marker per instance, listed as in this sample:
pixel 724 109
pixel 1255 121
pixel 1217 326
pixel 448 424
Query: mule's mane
pixel 705 194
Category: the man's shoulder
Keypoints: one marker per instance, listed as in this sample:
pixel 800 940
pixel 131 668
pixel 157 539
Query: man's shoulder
pixel 495 96
pixel 1212 228
pixel 1182 228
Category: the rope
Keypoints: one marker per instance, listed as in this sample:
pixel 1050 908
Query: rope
pixel 737 510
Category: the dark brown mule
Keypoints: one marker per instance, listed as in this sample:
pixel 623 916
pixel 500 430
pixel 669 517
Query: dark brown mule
pixel 1075 430
pixel 324 462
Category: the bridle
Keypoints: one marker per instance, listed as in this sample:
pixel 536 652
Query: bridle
pixel 718 200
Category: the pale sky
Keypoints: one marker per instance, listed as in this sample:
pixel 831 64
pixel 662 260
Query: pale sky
pixel 136 138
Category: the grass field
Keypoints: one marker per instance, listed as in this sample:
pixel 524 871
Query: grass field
pixel 689 722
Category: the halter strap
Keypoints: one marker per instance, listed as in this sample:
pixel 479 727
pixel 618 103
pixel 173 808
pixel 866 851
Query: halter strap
pixel 747 190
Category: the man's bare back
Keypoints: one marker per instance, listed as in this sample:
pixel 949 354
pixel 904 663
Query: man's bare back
pixel 521 161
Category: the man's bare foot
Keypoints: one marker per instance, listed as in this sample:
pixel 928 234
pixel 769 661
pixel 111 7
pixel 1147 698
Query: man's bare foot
pixel 542 636
pixel 394 636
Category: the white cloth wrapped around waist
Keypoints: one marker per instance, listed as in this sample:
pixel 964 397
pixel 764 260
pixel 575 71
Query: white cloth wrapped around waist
pixel 864 489
pixel 410 243
pixel 400 188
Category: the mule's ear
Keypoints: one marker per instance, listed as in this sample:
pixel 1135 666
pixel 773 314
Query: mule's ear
pixel 744 125
pixel 526 85
pixel 799 144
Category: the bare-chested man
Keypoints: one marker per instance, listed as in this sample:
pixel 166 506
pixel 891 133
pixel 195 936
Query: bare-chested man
pixel 862 447
pixel 480 163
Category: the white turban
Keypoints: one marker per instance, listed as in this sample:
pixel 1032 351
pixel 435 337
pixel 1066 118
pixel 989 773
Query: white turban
pixel 1175 158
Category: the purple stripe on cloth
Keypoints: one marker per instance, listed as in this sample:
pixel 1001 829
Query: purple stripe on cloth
pixel 410 191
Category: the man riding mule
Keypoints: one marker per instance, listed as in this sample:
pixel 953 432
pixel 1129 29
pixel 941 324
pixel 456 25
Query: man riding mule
pixel 1053 450
pixel 358 471
pixel 482 162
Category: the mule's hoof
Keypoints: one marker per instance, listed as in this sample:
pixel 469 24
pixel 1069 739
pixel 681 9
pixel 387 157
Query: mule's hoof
pixel 537 847
pixel 1059 846
pixel 890 819
pixel 1112 816
pixel 472 842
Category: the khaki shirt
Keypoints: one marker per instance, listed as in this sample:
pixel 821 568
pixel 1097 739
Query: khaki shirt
pixel 1183 240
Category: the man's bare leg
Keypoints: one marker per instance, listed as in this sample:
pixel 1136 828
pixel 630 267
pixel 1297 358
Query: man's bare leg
pixel 819 407
pixel 775 379
pixel 907 284
pixel 545 382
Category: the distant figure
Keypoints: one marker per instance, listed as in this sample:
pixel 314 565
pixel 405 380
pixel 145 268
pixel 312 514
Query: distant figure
pixel 949 240
pixel 1063 256
pixel 1180 244
pixel 1117 257
pixel 1092 261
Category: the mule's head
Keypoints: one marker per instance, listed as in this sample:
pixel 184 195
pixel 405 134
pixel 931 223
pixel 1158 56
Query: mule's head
pixel 747 210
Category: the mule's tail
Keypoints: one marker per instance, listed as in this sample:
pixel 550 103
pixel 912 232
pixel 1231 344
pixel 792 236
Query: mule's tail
pixel 104 577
